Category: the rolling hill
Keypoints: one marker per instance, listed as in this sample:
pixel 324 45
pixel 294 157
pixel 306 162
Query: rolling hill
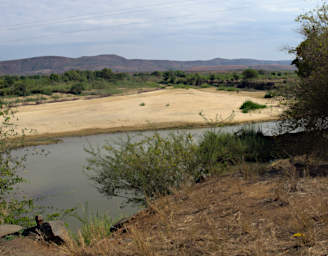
pixel 56 64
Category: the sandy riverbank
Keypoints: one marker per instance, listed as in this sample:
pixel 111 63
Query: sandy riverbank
pixel 152 110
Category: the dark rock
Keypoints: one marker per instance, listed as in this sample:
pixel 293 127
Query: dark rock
pixel 33 231
pixel 54 231
pixel 120 225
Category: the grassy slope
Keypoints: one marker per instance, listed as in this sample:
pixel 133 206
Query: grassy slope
pixel 231 215
pixel 239 214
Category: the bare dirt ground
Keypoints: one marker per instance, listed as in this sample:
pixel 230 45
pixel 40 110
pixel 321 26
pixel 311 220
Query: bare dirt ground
pixel 28 247
pixel 234 215
pixel 157 109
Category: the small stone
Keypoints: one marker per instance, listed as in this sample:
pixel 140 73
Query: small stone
pixel 7 229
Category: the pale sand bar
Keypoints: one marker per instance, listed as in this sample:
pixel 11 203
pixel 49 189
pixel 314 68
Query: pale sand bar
pixel 162 109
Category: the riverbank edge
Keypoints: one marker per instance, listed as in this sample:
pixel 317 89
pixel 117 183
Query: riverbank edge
pixel 54 138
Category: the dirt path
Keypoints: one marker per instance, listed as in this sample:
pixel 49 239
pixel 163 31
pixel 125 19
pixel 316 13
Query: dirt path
pixel 158 109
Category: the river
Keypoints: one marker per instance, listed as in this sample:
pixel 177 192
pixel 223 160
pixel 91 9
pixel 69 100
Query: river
pixel 58 179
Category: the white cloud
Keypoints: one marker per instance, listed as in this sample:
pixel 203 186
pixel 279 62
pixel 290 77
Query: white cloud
pixel 141 23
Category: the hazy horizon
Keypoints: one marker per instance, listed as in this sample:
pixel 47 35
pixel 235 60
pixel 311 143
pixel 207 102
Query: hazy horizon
pixel 157 30
pixel 146 58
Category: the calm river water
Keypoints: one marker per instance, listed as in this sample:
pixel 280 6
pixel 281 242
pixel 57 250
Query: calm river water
pixel 58 179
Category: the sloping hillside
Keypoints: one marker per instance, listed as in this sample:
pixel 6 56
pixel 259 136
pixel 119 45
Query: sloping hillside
pixel 55 64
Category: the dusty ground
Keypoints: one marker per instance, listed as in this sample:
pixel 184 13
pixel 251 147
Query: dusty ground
pixel 242 214
pixel 229 216
pixel 28 247
pixel 162 109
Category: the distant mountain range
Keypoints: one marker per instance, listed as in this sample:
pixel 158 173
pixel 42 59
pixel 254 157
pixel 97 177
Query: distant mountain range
pixel 55 64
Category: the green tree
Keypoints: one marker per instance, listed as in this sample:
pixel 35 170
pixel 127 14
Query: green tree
pixel 212 78
pixel 156 73
pixel 308 107
pixel 77 89
pixel 20 89
pixel 54 77
pixel 235 76
pixel 250 73
pixel 107 73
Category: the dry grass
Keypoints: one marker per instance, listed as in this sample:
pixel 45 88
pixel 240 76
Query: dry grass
pixel 231 215
pixel 242 214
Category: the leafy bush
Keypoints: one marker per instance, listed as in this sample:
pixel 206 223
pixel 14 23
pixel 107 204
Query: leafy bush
pixel 46 91
pixel 217 150
pixel 269 95
pixel 250 73
pixel 152 167
pixel 77 89
pixel 20 89
pixel 250 105
pixel 148 168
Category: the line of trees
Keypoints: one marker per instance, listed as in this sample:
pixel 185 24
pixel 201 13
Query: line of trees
pixel 76 81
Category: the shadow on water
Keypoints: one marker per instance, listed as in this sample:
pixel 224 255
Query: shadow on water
pixel 58 179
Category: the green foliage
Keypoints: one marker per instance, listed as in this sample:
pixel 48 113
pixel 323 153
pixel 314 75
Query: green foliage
pixel 153 166
pixel 148 168
pixel 20 89
pixel 12 210
pixel 94 228
pixel 142 104
pixel 269 95
pixel 308 107
pixel 106 82
pixel 229 89
pixel 218 150
pixel 77 89
pixel 250 73
pixel 250 105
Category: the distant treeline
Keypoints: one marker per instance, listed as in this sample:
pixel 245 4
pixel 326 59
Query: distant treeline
pixel 107 82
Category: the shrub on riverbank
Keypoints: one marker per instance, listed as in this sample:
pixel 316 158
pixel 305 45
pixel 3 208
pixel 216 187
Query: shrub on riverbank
pixel 152 167
pixel 217 150
pixel 250 105
pixel 148 168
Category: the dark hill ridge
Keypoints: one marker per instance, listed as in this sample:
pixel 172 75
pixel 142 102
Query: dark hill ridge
pixel 56 64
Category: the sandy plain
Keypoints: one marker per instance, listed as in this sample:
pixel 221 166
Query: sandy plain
pixel 159 109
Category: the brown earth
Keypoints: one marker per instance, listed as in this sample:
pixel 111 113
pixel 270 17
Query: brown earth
pixel 28 247
pixel 243 213
pixel 232 215
pixel 152 110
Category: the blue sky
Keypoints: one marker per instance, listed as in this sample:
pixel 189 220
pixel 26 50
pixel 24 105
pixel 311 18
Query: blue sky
pixel 157 29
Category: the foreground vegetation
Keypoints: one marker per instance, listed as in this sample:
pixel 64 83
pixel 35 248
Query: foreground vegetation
pixel 152 167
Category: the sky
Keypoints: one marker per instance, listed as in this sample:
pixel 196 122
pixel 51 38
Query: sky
pixel 151 29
